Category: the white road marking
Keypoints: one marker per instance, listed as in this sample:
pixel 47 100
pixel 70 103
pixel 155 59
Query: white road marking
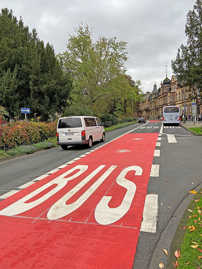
pixel 156 153
pixel 159 139
pixel 62 166
pixel 167 127
pixel 41 177
pixel 53 171
pixel 158 144
pixel 161 130
pixel 171 138
pixel 26 185
pixel 8 194
pixel 150 214
pixel 123 150
pixel 154 170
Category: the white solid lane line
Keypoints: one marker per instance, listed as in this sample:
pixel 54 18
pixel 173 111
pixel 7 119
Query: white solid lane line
pixel 171 138
pixel 8 194
pixel 150 214
pixel 26 185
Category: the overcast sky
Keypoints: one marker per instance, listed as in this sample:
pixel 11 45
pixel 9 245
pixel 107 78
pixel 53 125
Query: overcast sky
pixel 153 29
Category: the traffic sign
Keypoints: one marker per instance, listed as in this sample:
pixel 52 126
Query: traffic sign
pixel 25 110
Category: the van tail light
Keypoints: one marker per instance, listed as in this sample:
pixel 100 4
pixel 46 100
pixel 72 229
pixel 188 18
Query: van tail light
pixel 57 135
pixel 163 118
pixel 179 118
pixel 83 135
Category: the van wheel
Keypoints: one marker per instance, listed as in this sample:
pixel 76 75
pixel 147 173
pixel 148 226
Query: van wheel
pixel 64 147
pixel 103 138
pixel 90 142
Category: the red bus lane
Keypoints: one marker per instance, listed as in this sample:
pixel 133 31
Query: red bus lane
pixel 86 215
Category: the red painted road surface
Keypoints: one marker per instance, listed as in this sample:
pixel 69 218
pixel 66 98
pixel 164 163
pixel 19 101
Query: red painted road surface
pixel 85 216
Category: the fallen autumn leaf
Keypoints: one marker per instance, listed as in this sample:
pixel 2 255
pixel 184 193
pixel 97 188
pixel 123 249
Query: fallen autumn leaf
pixel 165 251
pixel 161 265
pixel 177 253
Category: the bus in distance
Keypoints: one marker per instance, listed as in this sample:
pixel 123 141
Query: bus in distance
pixel 171 115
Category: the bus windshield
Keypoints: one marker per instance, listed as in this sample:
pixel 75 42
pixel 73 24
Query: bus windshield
pixel 171 110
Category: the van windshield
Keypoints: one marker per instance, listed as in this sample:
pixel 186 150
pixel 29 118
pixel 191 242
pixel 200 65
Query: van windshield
pixel 70 123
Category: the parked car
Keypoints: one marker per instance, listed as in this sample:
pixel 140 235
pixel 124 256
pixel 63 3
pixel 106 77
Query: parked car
pixel 81 130
pixel 141 120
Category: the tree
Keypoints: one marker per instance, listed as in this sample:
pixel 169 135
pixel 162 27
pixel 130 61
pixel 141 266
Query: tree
pixel 98 73
pixel 30 74
pixel 188 63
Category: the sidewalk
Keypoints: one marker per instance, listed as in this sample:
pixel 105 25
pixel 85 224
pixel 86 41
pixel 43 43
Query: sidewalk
pixel 190 124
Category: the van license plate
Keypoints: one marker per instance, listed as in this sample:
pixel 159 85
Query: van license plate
pixel 69 133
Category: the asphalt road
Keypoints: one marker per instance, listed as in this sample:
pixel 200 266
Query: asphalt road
pixel 180 171
pixel 20 170
pixel 179 158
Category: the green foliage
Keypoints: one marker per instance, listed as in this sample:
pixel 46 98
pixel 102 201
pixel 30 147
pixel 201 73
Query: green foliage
pixel 30 74
pixel 100 84
pixel 196 130
pixel 24 133
pixel 188 63
pixel 191 245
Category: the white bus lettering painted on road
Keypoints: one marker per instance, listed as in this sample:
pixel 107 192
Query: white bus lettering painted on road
pixel 104 215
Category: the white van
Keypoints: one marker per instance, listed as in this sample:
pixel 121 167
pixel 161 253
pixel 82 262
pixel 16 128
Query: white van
pixel 75 130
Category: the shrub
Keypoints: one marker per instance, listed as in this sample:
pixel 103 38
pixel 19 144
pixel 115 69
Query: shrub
pixel 25 133
pixel 109 119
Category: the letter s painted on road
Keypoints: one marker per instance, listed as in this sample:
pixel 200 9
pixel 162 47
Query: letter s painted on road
pixel 103 213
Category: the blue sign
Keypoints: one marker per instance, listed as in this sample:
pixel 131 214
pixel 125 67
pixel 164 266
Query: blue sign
pixel 25 110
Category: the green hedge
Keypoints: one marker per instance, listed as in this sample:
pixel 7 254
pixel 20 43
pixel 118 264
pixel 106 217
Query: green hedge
pixel 26 133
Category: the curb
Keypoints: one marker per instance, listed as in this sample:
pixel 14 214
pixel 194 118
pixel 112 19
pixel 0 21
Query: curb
pixel 168 234
pixel 186 128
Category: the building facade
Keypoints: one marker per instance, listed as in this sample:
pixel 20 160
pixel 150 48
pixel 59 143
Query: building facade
pixel 170 93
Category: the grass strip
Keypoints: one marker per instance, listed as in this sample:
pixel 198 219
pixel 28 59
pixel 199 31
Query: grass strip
pixel 187 243
pixel 119 125
pixel 196 130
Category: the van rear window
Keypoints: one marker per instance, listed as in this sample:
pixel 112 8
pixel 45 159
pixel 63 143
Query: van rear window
pixel 69 123
pixel 171 110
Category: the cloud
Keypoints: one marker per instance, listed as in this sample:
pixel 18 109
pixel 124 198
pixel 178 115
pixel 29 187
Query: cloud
pixel 153 29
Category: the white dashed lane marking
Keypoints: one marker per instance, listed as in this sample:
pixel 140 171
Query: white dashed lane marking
pixel 155 170
pixel 157 153
pixel 150 214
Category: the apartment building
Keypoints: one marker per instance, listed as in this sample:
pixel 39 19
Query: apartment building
pixel 171 92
